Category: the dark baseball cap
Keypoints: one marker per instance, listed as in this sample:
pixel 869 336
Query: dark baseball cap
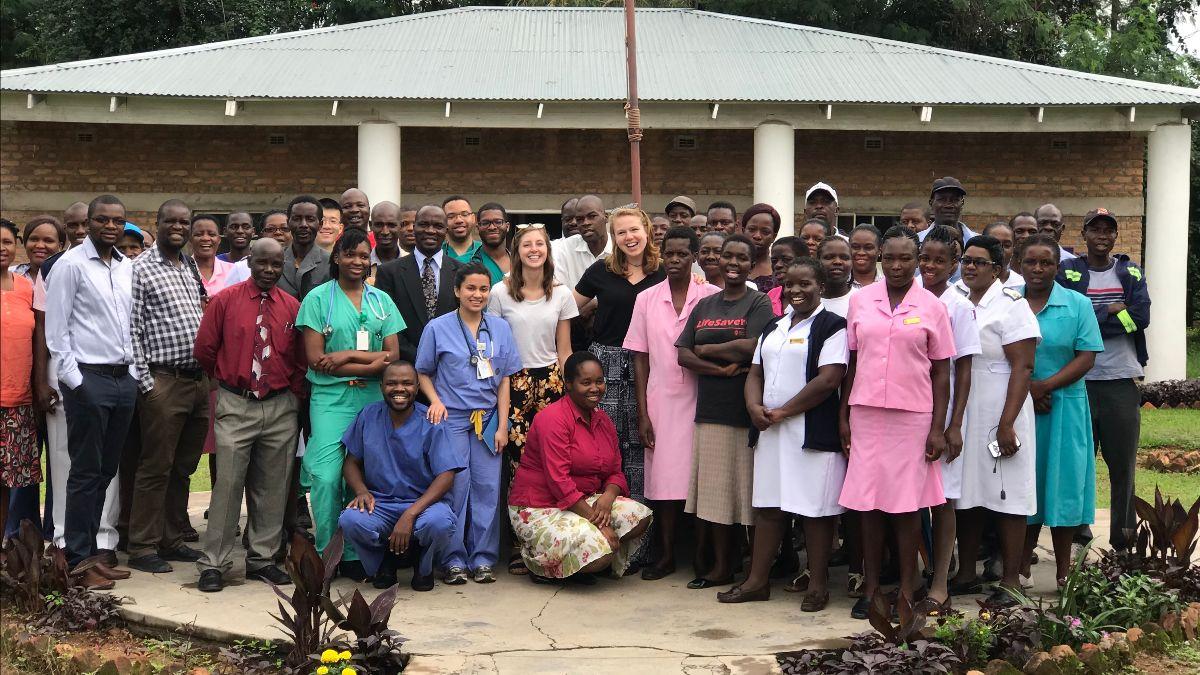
pixel 1100 213
pixel 947 183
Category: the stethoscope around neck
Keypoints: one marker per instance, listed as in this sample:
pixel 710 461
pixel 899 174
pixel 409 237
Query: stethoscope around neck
pixel 473 349
pixel 377 310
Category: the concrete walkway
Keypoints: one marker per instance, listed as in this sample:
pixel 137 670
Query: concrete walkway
pixel 625 627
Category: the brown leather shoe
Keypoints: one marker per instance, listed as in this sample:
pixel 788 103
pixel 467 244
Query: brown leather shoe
pixel 110 573
pixel 814 601
pixel 737 595
pixel 91 578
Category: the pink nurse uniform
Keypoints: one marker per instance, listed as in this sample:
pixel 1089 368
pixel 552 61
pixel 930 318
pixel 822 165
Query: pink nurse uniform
pixel 670 389
pixel 891 402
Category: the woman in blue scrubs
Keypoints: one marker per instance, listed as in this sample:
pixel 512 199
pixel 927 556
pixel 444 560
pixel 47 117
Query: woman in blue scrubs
pixel 464 362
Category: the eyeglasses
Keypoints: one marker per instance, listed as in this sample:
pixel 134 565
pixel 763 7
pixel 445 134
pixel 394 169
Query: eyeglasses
pixel 977 262
pixel 105 220
pixel 526 226
pixel 461 214
pixel 497 222
pixel 276 229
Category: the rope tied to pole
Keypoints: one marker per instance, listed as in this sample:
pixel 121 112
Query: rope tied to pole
pixel 634 117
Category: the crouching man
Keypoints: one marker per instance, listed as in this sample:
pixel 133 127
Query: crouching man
pixel 400 468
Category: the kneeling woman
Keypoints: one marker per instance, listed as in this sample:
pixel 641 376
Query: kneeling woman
pixel 792 397
pixel 567 502
pixel 464 361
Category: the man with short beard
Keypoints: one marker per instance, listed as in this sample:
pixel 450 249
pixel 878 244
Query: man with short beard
pixel 821 203
pixel 947 198
pixel 247 343
pixel 400 468
pixel 573 255
pixel 356 209
pixel 492 224
pixel 305 265
pixel 722 217
pixel 460 229
pixel 680 211
pixel 239 233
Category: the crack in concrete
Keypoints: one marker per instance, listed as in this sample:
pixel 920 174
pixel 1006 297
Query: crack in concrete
pixel 580 648
pixel 533 622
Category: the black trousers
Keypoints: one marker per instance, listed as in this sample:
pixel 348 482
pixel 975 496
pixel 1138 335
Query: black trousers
pixel 1116 428
pixel 98 415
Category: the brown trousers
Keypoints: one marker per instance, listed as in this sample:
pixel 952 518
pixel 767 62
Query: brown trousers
pixel 174 422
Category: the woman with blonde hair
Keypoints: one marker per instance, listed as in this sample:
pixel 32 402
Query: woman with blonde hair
pixel 614 284
pixel 539 311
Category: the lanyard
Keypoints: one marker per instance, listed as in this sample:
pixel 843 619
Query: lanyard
pixel 473 349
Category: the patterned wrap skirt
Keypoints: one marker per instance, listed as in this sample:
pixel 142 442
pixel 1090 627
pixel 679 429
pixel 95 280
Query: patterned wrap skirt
pixel 20 461
pixel 557 543
pixel 722 486
pixel 620 404
pixel 531 389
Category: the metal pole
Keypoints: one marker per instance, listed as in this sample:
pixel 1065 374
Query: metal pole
pixel 632 113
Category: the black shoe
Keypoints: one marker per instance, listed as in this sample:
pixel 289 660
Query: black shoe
pixel 269 574
pixel 107 556
pixel 972 587
pixel 421 582
pixel 839 558
pixel 181 553
pixel 861 607
pixel 582 579
pixel 1000 599
pixel 544 581
pixel 385 577
pixel 352 570
pixel 700 583
pixel 153 563
pixel 190 534
pixel 210 582
pixel 206 514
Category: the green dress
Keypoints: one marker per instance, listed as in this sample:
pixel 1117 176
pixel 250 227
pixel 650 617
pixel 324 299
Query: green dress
pixel 1066 459
pixel 336 400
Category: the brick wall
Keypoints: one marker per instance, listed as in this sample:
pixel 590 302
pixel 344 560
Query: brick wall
pixel 215 160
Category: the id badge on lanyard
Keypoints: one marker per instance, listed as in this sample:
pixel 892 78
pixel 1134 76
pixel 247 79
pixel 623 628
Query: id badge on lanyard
pixel 483 364
pixel 362 340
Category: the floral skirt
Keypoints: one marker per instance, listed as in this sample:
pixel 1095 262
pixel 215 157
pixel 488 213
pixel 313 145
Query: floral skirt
pixel 531 389
pixel 557 543
pixel 620 404
pixel 20 463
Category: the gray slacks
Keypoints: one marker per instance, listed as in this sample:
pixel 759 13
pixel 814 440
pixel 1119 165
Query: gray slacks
pixel 255 444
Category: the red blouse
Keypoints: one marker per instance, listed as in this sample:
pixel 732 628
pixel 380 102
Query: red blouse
pixel 567 459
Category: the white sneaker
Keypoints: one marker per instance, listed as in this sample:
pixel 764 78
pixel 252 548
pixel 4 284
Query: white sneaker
pixel 1026 581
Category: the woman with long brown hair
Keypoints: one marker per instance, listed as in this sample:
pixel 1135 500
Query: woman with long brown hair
pixel 614 283
pixel 539 312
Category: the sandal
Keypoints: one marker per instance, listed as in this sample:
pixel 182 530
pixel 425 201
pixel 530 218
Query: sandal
pixel 814 601
pixel 798 584
pixel 854 585
pixel 516 565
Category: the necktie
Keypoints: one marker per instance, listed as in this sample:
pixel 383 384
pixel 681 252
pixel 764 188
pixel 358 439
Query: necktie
pixel 429 287
pixel 262 350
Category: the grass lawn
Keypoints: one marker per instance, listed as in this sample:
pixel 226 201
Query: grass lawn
pixel 1177 428
pixel 1193 353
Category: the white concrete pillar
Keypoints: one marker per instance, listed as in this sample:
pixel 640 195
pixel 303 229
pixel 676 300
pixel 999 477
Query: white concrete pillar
pixel 1168 165
pixel 379 161
pixel 775 170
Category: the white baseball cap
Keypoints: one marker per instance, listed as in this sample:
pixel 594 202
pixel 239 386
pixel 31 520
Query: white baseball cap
pixel 821 187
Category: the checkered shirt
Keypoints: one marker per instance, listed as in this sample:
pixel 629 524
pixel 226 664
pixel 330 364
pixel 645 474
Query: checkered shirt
pixel 166 315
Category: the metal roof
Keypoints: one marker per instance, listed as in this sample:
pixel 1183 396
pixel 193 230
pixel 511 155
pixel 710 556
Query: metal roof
pixel 577 54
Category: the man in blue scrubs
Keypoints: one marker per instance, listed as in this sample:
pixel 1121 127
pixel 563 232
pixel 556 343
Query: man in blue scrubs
pixel 400 468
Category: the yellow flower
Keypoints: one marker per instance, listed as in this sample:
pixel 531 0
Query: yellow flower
pixel 933 612
pixel 323 670
pixel 985 616
pixel 344 656
pixel 349 671
pixel 329 656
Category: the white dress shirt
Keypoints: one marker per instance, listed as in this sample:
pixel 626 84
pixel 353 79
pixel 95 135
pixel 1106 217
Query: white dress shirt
pixel 572 257
pixel 88 307
pixel 437 267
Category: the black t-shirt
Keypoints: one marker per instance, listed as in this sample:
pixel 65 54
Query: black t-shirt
pixel 614 300
pixel 722 400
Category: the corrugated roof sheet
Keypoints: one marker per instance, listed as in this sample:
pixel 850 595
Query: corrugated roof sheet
pixel 577 54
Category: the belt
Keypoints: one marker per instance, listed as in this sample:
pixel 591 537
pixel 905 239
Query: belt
pixel 195 374
pixel 110 369
pixel 356 383
pixel 249 393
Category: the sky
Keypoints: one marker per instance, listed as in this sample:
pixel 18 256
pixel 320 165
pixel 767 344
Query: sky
pixel 1189 28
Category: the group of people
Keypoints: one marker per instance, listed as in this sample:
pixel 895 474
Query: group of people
pixel 415 374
